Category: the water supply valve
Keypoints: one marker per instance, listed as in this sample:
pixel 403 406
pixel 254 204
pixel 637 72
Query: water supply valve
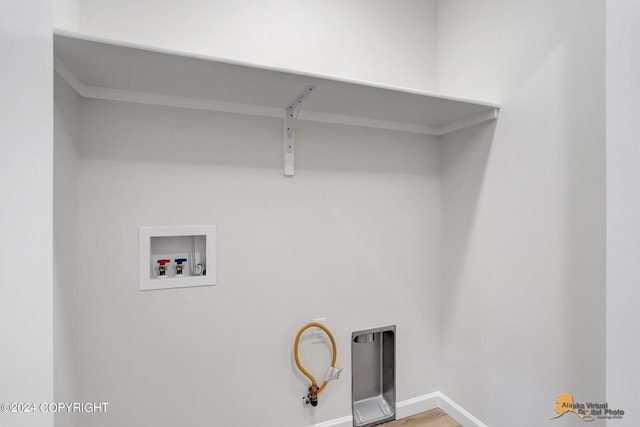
pixel 312 397
pixel 179 266
pixel 162 269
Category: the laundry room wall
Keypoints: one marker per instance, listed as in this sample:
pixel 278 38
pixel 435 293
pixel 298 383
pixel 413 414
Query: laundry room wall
pixel 65 243
pixel 524 209
pixel 66 14
pixel 623 208
pixel 354 236
pixel 26 204
pixel 380 41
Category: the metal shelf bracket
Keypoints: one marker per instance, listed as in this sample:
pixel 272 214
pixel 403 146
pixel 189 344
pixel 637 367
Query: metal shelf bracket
pixel 290 118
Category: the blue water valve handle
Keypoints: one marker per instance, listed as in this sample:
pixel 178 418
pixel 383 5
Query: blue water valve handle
pixel 179 261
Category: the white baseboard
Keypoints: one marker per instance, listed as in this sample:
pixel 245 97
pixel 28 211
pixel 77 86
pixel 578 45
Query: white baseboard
pixel 458 413
pixel 338 422
pixel 407 408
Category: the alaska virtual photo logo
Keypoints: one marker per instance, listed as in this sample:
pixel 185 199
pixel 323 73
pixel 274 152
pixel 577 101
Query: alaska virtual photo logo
pixel 586 411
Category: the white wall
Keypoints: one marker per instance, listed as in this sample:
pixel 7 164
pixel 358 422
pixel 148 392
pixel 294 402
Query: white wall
pixel 373 40
pixel 524 209
pixel 66 14
pixel 26 127
pixel 623 208
pixel 354 236
pixel 65 243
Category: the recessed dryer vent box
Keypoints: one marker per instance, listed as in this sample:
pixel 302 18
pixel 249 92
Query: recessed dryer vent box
pixel 373 376
pixel 177 257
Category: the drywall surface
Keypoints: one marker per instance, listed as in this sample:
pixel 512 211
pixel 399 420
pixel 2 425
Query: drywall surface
pixel 26 128
pixel 65 243
pixel 524 210
pixel 66 14
pixel 354 236
pixel 371 40
pixel 623 209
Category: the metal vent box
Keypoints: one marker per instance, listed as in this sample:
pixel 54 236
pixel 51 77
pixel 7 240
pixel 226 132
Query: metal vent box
pixel 373 382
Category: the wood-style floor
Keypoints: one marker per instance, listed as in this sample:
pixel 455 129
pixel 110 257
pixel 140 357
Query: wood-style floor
pixel 433 418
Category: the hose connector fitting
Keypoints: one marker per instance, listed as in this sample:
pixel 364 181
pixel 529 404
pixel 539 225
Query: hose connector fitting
pixel 312 397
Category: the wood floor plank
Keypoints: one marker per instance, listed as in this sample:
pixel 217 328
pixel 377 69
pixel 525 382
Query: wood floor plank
pixel 433 418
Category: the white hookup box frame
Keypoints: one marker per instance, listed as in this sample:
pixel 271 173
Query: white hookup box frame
pixel 196 244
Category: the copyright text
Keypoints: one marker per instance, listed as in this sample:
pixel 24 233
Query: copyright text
pixel 54 407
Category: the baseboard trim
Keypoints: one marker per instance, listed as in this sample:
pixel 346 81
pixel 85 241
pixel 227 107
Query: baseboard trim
pixel 458 413
pixel 338 422
pixel 409 407
pixel 406 408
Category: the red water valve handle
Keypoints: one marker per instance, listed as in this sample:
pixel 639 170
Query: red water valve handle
pixel 163 261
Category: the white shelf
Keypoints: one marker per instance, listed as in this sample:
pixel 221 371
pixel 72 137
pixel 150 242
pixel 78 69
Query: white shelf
pixel 115 70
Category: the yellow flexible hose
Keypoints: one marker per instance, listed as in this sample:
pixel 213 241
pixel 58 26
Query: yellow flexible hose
pixel 295 352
